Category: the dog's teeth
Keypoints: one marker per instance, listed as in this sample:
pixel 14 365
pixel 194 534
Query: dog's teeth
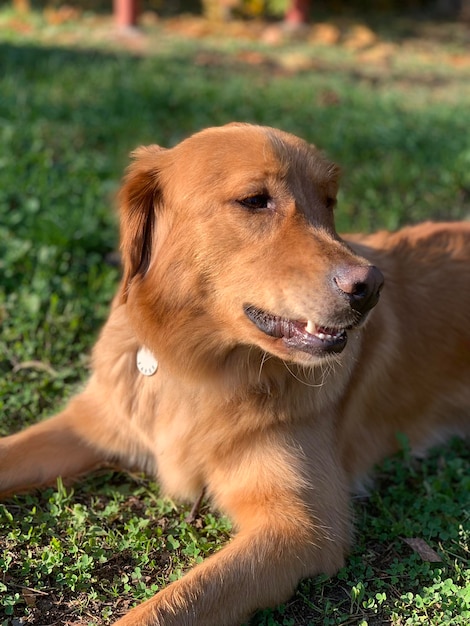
pixel 310 328
pixel 323 333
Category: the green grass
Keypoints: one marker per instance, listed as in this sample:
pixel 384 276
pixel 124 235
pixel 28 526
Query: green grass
pixel 71 109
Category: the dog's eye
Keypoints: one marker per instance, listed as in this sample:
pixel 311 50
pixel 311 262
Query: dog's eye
pixel 257 202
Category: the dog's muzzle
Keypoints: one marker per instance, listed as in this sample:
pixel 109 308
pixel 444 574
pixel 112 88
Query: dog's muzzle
pixel 359 285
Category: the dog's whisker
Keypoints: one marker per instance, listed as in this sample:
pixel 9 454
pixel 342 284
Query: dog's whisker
pixel 266 356
pixel 303 382
pixel 329 367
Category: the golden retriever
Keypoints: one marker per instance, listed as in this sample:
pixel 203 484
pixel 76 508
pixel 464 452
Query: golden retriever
pixel 243 355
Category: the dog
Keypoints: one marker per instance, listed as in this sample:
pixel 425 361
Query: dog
pixel 244 355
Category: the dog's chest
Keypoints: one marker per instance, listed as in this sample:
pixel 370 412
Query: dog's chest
pixel 180 447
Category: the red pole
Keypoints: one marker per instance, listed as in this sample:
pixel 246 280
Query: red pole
pixel 297 12
pixel 126 12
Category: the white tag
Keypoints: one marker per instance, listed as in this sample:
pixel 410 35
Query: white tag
pixel 147 364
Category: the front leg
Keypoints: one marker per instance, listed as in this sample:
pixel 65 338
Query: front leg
pixel 87 434
pixel 57 446
pixel 290 526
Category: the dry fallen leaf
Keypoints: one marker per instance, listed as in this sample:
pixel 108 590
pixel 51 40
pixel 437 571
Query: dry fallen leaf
pixel 419 546
pixel 29 597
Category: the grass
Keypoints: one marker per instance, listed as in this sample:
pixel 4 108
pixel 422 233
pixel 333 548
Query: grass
pixel 75 99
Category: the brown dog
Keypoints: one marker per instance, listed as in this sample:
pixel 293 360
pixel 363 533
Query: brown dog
pixel 236 359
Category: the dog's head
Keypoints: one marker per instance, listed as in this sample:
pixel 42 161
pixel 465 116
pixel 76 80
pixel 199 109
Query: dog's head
pixel 228 240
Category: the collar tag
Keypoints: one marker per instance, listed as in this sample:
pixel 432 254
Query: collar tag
pixel 147 364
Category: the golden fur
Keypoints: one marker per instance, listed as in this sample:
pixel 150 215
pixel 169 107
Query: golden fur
pixel 228 249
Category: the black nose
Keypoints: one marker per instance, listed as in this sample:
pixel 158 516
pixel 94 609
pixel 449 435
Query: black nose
pixel 360 284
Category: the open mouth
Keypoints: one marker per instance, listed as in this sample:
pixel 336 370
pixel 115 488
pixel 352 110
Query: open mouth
pixel 298 335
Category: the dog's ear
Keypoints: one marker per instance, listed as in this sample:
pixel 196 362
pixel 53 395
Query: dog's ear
pixel 138 200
